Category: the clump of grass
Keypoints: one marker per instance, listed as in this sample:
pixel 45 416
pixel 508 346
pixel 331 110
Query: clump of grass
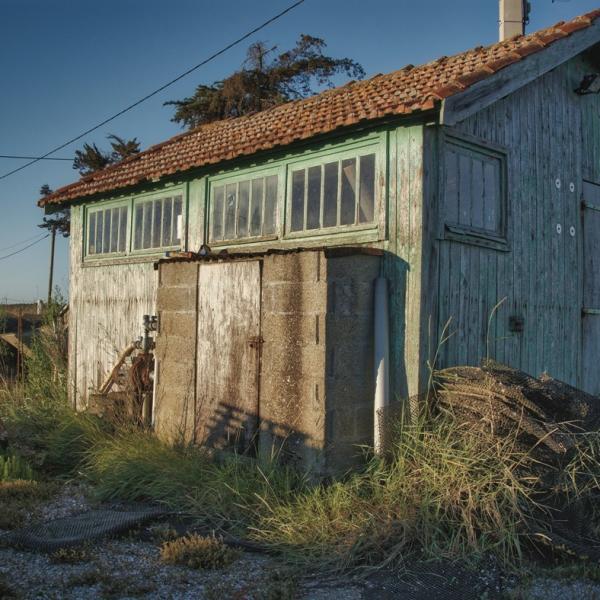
pixel 19 499
pixel 134 465
pixel 444 491
pixel 71 556
pixel 13 467
pixel 162 532
pixel 198 552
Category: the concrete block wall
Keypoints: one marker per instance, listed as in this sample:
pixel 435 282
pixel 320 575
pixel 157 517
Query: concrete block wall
pixel 174 402
pixel 349 365
pixel 292 383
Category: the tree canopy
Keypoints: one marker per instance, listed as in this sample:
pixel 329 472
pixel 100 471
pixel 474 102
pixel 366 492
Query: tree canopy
pixel 59 220
pixel 91 158
pixel 265 80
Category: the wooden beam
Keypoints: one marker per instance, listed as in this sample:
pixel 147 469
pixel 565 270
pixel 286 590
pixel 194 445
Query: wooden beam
pixel 506 81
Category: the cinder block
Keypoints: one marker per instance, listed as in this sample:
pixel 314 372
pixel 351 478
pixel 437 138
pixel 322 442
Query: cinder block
pixel 295 297
pixel 176 299
pixel 179 274
pixel 360 267
pixel 181 324
pixel 306 266
pixel 294 330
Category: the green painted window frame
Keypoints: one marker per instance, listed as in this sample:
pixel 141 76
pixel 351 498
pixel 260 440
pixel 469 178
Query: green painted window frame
pixel 372 143
pixel 339 154
pixel 469 234
pixel 246 175
pixel 130 203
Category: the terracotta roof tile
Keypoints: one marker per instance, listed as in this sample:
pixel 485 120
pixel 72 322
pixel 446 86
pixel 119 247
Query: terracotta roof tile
pixel 409 90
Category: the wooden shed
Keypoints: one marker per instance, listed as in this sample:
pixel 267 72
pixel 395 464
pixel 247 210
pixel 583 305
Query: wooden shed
pixel 475 176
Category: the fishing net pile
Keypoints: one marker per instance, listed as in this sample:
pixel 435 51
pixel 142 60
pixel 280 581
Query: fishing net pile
pixel 556 425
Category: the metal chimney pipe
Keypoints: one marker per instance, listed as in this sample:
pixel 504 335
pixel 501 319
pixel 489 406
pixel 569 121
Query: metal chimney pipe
pixel 512 18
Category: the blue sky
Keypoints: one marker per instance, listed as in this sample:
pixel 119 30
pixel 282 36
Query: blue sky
pixel 68 64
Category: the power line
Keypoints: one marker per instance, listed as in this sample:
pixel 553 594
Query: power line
pixel 22 249
pixel 158 90
pixel 34 157
pixel 22 241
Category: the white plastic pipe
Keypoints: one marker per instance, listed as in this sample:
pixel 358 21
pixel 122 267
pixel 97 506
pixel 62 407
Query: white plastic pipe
pixel 381 345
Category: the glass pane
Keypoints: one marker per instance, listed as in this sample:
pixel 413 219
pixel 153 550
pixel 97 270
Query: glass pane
pixel 177 221
pixel 114 232
pixel 167 223
pixel 139 221
pixel 157 224
pixel 366 208
pixel 92 234
pixel 348 205
pixel 330 194
pixel 313 200
pixel 147 232
pixel 230 206
pixel 106 239
pixel 256 206
pixel 99 231
pixel 123 229
pixel 243 209
pixel 297 223
pixel 270 205
pixel 217 224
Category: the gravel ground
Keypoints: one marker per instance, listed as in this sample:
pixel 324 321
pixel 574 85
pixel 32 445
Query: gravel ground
pixel 130 567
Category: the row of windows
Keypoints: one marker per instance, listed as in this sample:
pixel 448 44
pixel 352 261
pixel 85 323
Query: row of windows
pixel 326 196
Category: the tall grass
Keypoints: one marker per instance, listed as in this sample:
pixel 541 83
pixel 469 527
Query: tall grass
pixel 442 492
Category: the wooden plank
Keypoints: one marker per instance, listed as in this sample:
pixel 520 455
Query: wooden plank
pixel 228 354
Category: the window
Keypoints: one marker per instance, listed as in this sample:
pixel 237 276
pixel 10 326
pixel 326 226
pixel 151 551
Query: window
pixel 244 209
pixel 475 206
pixel 157 223
pixel 333 194
pixel 107 231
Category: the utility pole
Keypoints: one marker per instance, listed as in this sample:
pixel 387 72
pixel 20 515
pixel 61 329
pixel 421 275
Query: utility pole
pixel 52 240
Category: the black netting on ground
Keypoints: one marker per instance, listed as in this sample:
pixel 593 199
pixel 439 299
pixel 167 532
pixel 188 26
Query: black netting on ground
pixel 72 531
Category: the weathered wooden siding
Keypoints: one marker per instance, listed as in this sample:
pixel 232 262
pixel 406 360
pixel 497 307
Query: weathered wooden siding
pixel 543 128
pixel 107 304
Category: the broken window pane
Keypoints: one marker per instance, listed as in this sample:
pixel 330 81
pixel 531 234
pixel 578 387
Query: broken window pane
pixel 178 221
pixel 123 229
pixel 297 200
pixel 313 200
pixel 230 206
pixel 330 194
pixel 243 209
pixel 270 205
pixel 348 199
pixel 366 209
pixel 256 207
pixel 92 234
pixel 217 223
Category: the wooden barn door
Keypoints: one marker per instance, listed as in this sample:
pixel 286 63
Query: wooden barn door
pixel 228 354
pixel 590 375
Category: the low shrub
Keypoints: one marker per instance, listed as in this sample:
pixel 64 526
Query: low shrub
pixel 198 552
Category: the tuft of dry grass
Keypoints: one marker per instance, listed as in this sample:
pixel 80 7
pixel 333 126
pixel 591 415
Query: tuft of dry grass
pixel 20 499
pixel 198 552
